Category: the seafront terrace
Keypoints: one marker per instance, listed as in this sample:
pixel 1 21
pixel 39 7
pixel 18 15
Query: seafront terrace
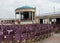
pixel 12 33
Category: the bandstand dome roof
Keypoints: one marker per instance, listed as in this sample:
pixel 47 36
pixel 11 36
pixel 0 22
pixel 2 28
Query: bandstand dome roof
pixel 24 7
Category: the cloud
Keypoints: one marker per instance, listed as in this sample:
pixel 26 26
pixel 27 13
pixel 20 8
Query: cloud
pixel 55 1
pixel 8 7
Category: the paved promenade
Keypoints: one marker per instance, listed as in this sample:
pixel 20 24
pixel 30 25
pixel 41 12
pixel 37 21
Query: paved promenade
pixel 53 39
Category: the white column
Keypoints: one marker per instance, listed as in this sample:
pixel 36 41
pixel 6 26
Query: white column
pixel 32 15
pixel 50 22
pixel 43 21
pixel 19 15
pixel 32 18
pixel 22 17
pixel 54 20
pixel 15 18
pixel 29 14
pixel 47 20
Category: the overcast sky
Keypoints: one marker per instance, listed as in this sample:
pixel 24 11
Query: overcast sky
pixel 7 7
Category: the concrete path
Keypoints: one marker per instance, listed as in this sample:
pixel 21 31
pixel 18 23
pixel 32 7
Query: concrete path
pixel 53 39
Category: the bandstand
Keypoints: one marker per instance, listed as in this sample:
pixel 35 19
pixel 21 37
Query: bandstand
pixel 26 14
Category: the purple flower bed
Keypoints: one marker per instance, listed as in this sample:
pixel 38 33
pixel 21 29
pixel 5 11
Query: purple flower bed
pixel 22 32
